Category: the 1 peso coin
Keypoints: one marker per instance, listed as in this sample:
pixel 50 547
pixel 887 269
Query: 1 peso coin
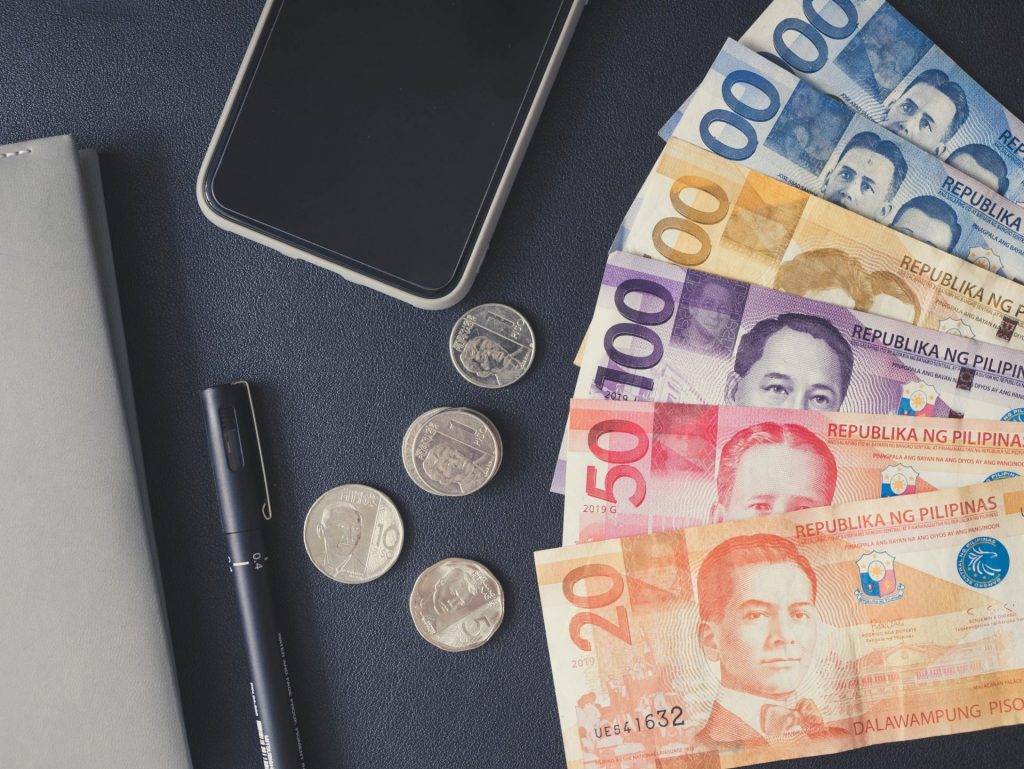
pixel 492 345
pixel 353 533
pixel 457 604
pixel 454 452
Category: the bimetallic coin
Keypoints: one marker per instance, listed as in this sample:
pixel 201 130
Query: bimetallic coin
pixel 457 604
pixel 492 345
pixel 353 534
pixel 455 452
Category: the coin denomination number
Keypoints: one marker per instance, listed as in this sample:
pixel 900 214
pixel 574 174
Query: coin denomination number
pixel 622 460
pixel 386 539
pixel 481 626
pixel 618 628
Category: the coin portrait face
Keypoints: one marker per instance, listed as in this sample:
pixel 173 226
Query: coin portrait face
pixel 446 464
pixel 453 591
pixel 483 356
pixel 340 528
pixel 451 451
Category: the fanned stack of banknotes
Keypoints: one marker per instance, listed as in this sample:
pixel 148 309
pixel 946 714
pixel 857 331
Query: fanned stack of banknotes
pixel 794 503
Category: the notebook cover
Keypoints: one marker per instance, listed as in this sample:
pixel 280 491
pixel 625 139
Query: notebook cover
pixel 84 655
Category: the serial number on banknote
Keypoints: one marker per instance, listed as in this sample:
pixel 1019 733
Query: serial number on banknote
pixel 660 719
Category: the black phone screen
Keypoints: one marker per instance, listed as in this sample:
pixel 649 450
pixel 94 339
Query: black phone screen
pixel 375 132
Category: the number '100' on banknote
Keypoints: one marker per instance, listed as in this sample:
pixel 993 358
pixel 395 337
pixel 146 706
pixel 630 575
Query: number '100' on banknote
pixel 790 635
pixel 867 54
pixel 751 111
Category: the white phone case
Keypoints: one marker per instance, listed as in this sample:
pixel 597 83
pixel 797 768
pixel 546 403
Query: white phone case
pixel 490 220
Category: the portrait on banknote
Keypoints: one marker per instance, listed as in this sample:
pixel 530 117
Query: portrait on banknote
pixel 743 665
pixel 773 467
pixel 810 126
pixel 867 176
pixel 825 274
pixel 929 219
pixel 929 111
pixel 756 597
pixel 981 163
pixel 879 57
pixel 792 361
pixel 709 314
pixel 890 297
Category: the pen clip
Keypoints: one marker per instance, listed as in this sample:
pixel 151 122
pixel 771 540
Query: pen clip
pixel 267 513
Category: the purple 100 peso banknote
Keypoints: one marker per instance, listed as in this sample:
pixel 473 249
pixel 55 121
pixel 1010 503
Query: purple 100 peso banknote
pixel 664 334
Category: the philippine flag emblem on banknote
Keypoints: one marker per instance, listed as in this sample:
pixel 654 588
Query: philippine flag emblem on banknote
pixel 878 578
pixel 918 400
pixel 956 326
pixel 898 480
pixel 986 259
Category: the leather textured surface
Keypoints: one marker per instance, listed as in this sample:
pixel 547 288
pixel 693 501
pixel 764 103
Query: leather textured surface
pixel 340 371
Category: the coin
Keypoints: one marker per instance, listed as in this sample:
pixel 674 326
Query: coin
pixel 353 533
pixel 457 604
pixel 453 452
pixel 492 345
pixel 407 442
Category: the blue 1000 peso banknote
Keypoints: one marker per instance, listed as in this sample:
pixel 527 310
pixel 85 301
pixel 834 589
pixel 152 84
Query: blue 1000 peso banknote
pixel 881 65
pixel 754 112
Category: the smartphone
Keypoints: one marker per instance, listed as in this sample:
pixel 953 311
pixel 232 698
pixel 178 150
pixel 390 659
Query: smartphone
pixel 379 138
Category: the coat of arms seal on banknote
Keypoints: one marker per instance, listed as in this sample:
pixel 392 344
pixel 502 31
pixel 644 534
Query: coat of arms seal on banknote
pixel 878 578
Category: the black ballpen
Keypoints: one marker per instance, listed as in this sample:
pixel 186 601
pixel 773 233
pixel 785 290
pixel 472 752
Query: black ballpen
pixel 244 505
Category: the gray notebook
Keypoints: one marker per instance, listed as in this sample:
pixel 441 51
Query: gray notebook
pixel 85 662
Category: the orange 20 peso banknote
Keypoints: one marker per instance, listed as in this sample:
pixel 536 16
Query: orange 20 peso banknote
pixel 790 635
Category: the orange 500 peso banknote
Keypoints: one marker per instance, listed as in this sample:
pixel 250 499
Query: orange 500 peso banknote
pixel 699 210
pixel 790 635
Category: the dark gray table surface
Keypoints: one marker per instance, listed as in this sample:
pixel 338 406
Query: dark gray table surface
pixel 341 370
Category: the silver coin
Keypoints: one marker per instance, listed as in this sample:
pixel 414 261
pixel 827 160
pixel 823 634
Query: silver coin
pixel 492 345
pixel 353 533
pixel 455 452
pixel 407 447
pixel 457 604
pixel 494 430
